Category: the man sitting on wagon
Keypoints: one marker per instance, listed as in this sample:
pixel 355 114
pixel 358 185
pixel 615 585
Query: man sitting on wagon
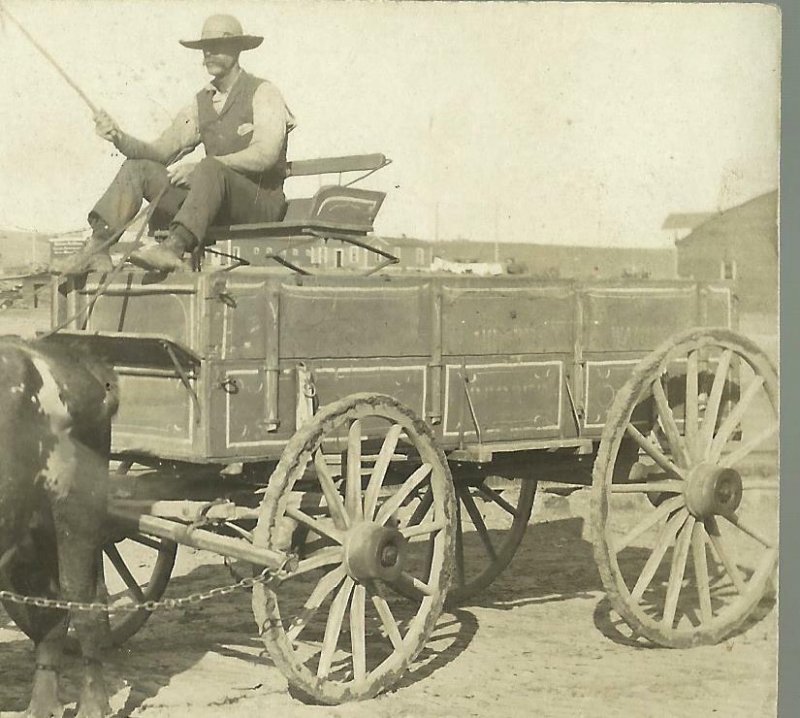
pixel 242 122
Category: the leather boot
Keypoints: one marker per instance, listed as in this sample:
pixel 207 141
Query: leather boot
pixel 164 257
pixel 92 257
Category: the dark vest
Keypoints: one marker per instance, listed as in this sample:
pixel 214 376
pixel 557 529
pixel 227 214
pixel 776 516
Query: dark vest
pixel 219 133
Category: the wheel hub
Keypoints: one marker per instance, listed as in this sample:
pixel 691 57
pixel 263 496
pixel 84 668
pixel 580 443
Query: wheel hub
pixel 713 490
pixel 374 551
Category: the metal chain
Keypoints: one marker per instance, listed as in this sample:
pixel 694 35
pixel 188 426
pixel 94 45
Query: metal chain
pixel 169 603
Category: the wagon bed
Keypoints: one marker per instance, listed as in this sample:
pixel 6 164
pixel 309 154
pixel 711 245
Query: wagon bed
pixel 216 361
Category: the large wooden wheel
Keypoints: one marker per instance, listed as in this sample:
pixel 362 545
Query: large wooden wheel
pixel 382 521
pixel 686 488
pixel 491 518
pixel 135 569
pixel 490 522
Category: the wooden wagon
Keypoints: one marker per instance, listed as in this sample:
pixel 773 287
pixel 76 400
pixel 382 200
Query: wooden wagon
pixel 374 438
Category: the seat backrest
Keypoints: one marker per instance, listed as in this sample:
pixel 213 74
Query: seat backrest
pixel 346 205
pixel 334 165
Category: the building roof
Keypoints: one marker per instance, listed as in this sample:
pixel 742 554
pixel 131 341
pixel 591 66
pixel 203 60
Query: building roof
pixel 686 220
pixel 754 218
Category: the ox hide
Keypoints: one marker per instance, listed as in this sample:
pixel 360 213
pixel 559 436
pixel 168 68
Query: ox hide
pixel 56 406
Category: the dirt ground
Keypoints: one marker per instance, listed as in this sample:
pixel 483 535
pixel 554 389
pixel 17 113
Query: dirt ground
pixel 541 640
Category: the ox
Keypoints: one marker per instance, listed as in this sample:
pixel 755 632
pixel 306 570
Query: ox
pixel 56 406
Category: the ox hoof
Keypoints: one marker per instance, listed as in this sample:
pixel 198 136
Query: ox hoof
pixel 94 703
pixel 39 710
pixel 44 696
pixel 93 710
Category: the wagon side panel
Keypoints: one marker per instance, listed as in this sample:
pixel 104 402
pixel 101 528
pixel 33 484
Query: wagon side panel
pixel 622 324
pixel 508 350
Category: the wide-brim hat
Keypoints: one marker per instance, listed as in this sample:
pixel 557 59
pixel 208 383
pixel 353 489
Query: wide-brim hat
pixel 223 28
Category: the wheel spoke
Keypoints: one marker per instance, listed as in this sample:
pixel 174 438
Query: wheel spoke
pixel 331 493
pixel 379 470
pixel 152 543
pixel 352 499
pixel 414 584
pixel 321 591
pixel 358 632
pixel 387 619
pixel 728 460
pixel 477 520
pixel 428 527
pixel 319 559
pixel 122 569
pixel 668 534
pixel 651 519
pixel 719 546
pixel 668 422
pixel 714 402
pixel 653 451
pixel 318 527
pixel 734 418
pixel 670 486
pixel 760 485
pixel 422 509
pixel 429 556
pixel 494 496
pixel 459 546
pixel 690 423
pixel 701 571
pixel 749 530
pixel 402 493
pixel 679 555
pixel 334 627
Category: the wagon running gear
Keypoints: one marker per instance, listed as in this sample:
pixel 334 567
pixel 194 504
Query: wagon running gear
pixel 92 257
pixel 164 257
pixel 223 28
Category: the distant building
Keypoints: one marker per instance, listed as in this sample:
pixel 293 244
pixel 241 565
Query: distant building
pixel 22 250
pixel 553 261
pixel 739 244
pixel 332 254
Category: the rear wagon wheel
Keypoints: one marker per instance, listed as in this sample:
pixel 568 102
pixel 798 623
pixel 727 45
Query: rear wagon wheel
pixel 686 540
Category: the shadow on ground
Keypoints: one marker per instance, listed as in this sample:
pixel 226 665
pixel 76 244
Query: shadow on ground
pixel 176 641
pixel 554 562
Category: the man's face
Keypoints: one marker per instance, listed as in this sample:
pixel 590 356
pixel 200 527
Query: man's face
pixel 220 58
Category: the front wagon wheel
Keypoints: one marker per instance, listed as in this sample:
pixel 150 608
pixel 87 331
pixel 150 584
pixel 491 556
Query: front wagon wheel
pixel 369 517
pixel 134 570
pixel 685 490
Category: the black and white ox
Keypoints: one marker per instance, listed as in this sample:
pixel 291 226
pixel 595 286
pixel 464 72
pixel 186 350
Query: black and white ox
pixel 56 405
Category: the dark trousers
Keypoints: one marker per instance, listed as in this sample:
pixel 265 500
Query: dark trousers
pixel 218 195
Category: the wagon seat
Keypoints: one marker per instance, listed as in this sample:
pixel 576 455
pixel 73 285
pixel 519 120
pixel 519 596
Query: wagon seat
pixel 337 212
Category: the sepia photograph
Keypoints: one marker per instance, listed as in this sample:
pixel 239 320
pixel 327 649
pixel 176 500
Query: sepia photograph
pixel 396 359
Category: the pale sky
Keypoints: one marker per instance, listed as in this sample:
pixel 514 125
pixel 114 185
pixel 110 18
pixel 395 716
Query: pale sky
pixel 577 123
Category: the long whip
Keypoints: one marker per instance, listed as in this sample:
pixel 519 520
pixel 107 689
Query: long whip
pixel 50 59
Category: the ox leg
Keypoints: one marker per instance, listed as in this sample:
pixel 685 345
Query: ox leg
pixel 45 702
pixel 34 572
pixel 78 571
